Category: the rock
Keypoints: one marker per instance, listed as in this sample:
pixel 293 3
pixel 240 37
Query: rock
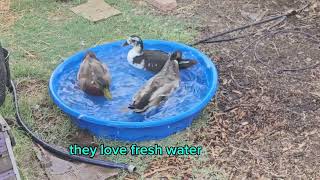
pixel 164 5
pixel 57 168
pixel 95 10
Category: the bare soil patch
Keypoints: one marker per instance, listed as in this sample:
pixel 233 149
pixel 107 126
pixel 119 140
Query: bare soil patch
pixel 7 17
pixel 4 5
pixel 262 124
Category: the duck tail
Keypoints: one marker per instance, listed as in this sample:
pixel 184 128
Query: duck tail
pixel 183 63
pixel 131 106
pixel 186 63
pixel 177 55
pixel 137 107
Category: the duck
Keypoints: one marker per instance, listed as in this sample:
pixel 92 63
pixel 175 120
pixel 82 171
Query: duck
pixel 158 88
pixel 94 77
pixel 151 60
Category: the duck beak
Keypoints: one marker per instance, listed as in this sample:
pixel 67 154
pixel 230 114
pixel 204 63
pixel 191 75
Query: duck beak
pixel 125 44
pixel 107 94
pixel 131 106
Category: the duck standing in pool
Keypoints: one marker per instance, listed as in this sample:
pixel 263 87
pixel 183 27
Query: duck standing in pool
pixel 151 60
pixel 94 76
pixel 159 87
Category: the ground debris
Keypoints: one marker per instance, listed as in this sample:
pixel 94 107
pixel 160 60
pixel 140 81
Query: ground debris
pixel 262 125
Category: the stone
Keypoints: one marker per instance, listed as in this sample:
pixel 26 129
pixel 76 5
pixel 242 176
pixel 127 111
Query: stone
pixel 57 168
pixel 95 10
pixel 164 5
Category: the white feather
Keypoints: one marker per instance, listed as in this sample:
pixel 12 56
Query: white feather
pixel 131 55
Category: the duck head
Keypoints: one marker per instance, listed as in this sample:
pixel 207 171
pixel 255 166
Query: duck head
pixel 177 55
pixel 137 49
pixel 134 41
pixel 89 56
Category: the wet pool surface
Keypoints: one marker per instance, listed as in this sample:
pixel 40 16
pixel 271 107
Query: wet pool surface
pixel 126 81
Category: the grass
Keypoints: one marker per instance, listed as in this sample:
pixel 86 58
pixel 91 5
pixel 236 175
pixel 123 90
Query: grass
pixel 46 32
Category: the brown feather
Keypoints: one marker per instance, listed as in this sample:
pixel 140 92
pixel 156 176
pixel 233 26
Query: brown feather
pixel 93 76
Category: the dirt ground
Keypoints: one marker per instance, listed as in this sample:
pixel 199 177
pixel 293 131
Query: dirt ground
pixel 265 122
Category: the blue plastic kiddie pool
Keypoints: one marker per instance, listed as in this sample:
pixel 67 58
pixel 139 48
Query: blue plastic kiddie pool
pixel 112 119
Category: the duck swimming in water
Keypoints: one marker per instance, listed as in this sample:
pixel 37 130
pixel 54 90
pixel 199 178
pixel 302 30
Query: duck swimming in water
pixel 151 60
pixel 94 76
pixel 159 87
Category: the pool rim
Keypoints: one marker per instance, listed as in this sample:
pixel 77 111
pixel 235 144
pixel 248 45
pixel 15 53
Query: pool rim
pixel 123 124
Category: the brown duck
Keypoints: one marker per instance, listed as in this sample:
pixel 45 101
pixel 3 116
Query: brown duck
pixel 94 76
pixel 159 87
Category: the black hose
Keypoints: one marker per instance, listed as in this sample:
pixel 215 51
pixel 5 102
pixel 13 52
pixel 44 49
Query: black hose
pixel 58 152
pixel 3 76
pixel 6 55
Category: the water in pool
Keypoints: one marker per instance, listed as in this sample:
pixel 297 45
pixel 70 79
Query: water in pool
pixel 126 81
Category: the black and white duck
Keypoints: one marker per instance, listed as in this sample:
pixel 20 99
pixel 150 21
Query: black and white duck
pixel 94 76
pixel 151 60
pixel 159 87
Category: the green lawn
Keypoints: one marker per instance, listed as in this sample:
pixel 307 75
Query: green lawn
pixel 45 33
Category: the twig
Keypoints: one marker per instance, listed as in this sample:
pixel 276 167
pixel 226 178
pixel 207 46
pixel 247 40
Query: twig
pixel 300 69
pixel 237 29
pixel 231 108
pixel 28 53
pixel 276 48
pixel 230 39
pixel 244 150
pixel 261 31
pixel 247 35
pixel 276 24
pixel 275 176
pixel 286 15
pixel 255 52
pixel 44 42
pixel 309 36
pixel 158 170
pixel 235 82
pixel 246 48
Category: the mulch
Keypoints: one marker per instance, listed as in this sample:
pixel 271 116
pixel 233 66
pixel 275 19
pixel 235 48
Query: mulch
pixel 264 122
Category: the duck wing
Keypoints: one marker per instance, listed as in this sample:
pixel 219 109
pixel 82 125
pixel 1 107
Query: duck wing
pixel 84 70
pixel 93 76
pixel 143 94
pixel 165 88
pixel 158 53
pixel 157 89
pixel 101 72
pixel 90 87
pixel 152 60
